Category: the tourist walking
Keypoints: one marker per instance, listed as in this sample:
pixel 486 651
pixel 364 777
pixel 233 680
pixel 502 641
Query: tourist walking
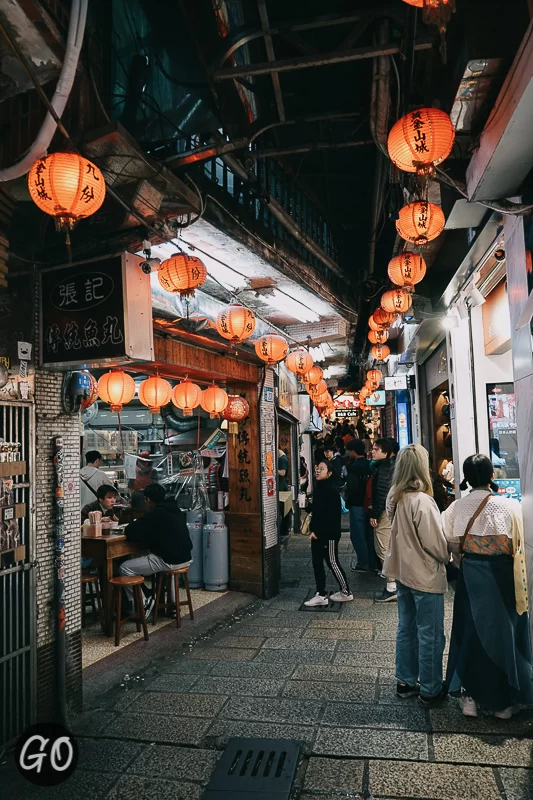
pixel 381 484
pixel 361 534
pixel 490 652
pixel 416 557
pixel 325 536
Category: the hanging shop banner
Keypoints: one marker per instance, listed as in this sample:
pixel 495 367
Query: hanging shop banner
pixel 288 389
pixel 396 383
pixel 96 312
pixel 346 402
pixel 402 419
pixel 376 398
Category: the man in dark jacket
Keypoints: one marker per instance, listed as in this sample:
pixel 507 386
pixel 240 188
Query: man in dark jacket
pixel 381 483
pixel 163 530
pixel 361 533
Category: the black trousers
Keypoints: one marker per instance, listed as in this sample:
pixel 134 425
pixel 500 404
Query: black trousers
pixel 327 552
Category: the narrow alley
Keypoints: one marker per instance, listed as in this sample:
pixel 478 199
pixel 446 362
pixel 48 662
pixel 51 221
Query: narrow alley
pixel 272 671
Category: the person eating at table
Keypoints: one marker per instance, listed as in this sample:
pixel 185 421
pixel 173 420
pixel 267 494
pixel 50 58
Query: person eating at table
pixel 162 530
pixel 106 497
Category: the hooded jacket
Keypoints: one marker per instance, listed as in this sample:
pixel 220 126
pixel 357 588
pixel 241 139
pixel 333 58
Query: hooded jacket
pixel 358 475
pixel 163 530
pixel 326 517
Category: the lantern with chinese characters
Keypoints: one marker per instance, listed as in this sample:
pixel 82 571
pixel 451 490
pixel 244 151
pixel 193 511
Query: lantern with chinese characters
pixel 374 325
pixel 299 361
pixel 318 389
pixel 378 337
pixel 214 401
pixel 116 388
pixel 186 396
pixel 383 318
pixel 92 394
pixel 420 222
pixel 371 386
pixel 236 410
pixel 155 392
pixel 321 400
pixel 236 322
pixel 363 393
pixel 271 348
pixel 66 186
pixel 182 274
pixel 421 140
pixel 313 376
pixel 374 376
pixel 407 269
pixel 380 352
pixel 397 300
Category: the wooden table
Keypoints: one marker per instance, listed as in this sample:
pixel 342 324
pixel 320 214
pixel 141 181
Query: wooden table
pixel 103 550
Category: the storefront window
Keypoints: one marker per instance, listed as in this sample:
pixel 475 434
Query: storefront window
pixel 503 439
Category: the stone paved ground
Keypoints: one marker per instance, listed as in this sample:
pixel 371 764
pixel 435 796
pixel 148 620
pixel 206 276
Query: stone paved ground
pixel 273 671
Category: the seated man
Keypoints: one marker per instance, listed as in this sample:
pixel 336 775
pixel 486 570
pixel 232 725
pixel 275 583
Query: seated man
pixel 163 530
pixel 106 497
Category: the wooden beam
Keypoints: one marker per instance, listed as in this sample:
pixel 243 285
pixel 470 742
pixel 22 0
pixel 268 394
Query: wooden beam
pixel 263 15
pixel 320 60
pixel 176 358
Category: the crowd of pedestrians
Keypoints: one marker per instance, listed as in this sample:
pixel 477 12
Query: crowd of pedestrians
pixel 403 528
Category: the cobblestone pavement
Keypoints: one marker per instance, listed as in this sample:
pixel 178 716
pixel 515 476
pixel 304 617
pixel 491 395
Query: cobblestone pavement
pixel 326 679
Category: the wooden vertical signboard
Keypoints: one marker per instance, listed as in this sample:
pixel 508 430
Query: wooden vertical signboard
pixel 244 517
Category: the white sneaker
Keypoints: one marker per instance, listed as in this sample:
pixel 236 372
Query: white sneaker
pixel 469 707
pixel 317 600
pixel 340 597
pixel 507 713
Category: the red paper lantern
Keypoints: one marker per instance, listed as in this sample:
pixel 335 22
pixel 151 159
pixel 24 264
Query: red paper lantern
pixel 374 376
pixel 182 274
pixel 154 393
pixel 383 318
pixel 313 376
pixel 214 401
pixel 378 337
pixel 363 393
pixel 421 139
pixel 317 389
pixel 92 394
pixel 420 222
pixel 116 388
pixel 235 323
pixel 374 325
pixel 299 361
pixel 417 3
pixel 380 352
pixel 66 186
pixel 271 348
pixel 186 396
pixel 407 269
pixel 236 410
pixel 398 300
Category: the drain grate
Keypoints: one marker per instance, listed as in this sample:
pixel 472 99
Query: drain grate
pixel 255 769
pixel 332 606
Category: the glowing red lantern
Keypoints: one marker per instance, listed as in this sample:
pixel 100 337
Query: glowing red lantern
pixel 421 139
pixel 313 376
pixel 383 318
pixel 186 396
pixel 420 222
pixel 235 322
pixel 236 410
pixel 92 394
pixel 271 348
pixel 374 376
pixel 299 361
pixel 66 186
pixel 407 269
pixel 398 300
pixel 182 274
pixel 154 393
pixel 214 401
pixel 116 388
pixel 380 352
pixel 378 337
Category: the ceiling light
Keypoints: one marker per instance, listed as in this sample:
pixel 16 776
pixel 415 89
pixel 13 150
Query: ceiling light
pixel 451 320
pixel 476 298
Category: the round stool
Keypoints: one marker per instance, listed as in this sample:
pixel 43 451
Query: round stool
pixel 165 577
pixel 92 584
pixel 135 581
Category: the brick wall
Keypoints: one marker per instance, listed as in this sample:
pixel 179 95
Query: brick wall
pixel 51 421
pixel 271 553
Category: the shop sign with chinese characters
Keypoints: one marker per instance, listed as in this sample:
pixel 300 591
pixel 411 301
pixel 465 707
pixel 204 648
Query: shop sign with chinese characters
pixel 96 312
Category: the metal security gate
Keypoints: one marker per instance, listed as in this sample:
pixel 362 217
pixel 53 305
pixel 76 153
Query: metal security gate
pixel 17 577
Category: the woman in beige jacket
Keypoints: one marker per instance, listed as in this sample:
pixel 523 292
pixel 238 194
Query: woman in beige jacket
pixel 416 558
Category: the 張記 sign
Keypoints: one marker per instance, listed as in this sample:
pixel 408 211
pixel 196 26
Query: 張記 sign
pixel 396 383
pixel 96 312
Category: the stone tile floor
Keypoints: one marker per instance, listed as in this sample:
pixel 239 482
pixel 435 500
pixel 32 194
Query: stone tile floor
pixel 270 670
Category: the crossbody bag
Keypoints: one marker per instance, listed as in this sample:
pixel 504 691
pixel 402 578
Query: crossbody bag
pixel 452 570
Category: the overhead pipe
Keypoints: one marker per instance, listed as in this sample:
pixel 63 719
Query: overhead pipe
pixel 76 31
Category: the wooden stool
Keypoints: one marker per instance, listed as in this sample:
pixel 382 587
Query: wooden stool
pixel 135 581
pixel 166 576
pixel 91 583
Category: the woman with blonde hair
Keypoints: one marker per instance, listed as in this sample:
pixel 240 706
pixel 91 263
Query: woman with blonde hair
pixel 416 558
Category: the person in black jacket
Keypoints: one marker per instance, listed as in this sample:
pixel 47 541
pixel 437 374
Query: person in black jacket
pixel 163 530
pixel 382 452
pixel 325 536
pixel 361 534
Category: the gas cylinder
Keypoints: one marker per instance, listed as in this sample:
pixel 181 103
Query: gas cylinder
pixel 216 553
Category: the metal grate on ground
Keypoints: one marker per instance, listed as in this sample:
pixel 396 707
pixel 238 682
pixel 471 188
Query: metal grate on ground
pixel 255 769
